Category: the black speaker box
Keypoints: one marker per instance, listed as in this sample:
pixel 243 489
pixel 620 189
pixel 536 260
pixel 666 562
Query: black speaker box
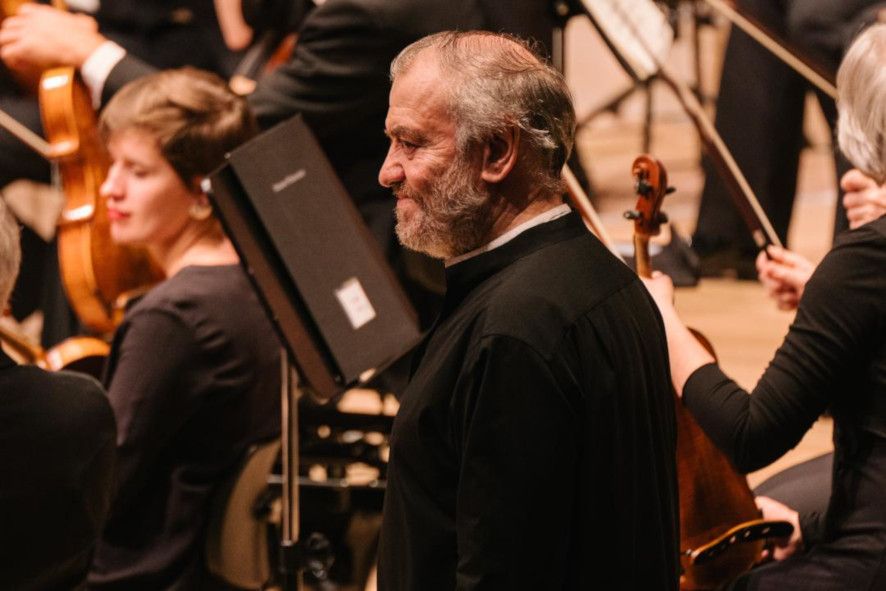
pixel 336 304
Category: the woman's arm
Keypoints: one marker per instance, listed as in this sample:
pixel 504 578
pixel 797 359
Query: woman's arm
pixel 686 353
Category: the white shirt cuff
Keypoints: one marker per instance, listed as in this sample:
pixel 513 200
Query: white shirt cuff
pixel 97 67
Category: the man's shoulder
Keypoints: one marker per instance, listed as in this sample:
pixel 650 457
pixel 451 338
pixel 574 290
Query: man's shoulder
pixel 26 376
pixel 56 399
pixel 579 271
pixel 549 290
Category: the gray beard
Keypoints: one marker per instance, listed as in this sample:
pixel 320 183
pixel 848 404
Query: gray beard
pixel 453 216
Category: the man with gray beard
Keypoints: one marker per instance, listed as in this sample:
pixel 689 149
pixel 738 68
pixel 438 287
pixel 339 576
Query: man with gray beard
pixel 534 447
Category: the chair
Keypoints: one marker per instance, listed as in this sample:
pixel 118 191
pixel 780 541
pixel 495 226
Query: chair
pixel 237 542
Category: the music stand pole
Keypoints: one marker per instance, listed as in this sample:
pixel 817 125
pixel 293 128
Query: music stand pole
pixel 291 564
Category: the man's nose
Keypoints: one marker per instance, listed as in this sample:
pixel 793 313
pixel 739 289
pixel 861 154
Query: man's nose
pixel 391 171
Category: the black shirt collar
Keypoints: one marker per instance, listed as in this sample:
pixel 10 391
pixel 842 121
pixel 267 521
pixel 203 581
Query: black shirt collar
pixel 462 277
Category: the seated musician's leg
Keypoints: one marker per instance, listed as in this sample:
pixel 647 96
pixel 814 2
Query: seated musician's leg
pixel 835 567
pixel 805 487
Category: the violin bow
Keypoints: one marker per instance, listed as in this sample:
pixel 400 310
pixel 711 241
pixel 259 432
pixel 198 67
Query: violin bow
pixel 757 31
pixel 26 136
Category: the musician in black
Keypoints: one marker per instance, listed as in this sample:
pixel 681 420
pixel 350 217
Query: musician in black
pixel 194 373
pixel 534 446
pixel 56 461
pixel 833 357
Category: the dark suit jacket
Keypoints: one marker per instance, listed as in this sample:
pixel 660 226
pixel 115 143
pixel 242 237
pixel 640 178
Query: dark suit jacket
pixel 57 442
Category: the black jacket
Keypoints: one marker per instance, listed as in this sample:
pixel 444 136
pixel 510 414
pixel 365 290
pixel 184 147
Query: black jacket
pixel 56 459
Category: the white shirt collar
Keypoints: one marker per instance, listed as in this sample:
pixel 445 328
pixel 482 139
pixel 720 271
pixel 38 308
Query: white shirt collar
pixel 545 216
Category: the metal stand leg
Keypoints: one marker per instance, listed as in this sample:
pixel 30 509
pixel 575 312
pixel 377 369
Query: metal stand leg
pixel 291 563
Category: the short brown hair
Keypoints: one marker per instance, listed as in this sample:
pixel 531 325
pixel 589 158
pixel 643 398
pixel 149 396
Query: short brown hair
pixel 194 116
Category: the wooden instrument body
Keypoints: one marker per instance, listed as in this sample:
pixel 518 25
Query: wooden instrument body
pixel 714 497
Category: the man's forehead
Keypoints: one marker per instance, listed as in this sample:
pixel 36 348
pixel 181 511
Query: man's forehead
pixel 417 96
pixel 422 78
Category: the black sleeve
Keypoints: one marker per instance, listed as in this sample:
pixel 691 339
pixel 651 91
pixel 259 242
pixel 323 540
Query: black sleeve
pixel 153 389
pixel 337 75
pixel 127 69
pixel 517 438
pixel 839 318
pixel 812 528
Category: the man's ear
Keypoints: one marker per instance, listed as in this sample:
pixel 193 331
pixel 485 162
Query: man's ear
pixel 500 155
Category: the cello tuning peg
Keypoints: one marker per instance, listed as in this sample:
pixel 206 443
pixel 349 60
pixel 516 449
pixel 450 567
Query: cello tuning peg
pixel 642 187
pixel 662 217
pixel 632 214
pixel 670 190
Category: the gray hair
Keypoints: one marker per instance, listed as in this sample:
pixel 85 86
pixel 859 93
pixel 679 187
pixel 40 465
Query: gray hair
pixel 861 89
pixel 10 252
pixel 498 82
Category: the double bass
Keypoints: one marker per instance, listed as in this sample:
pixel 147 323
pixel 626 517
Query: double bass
pixel 721 533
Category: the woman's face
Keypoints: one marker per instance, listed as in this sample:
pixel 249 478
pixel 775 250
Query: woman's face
pixel 147 201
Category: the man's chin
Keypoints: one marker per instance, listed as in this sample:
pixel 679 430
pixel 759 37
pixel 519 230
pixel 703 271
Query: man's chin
pixel 413 237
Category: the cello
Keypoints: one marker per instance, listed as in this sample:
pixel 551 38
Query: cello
pixel 95 272
pixel 721 533
pixel 98 275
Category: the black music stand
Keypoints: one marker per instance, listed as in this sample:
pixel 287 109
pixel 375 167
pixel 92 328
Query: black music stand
pixel 336 306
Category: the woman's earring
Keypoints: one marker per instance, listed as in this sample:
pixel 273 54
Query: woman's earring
pixel 200 211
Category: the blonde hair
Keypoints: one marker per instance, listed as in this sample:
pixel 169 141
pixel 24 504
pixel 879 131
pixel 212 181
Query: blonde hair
pixel 192 114
pixel 10 252
pixel 861 89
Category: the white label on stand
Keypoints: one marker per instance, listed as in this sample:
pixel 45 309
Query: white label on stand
pixel 355 303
